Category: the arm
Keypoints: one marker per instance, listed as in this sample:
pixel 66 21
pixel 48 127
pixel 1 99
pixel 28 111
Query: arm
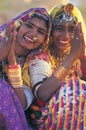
pixel 4 44
pixel 44 81
pixel 14 70
pixel 83 67
pixel 52 83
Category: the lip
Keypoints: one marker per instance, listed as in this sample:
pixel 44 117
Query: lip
pixel 64 42
pixel 28 39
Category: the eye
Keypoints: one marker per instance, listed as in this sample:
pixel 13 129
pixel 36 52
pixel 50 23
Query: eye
pixel 41 32
pixel 58 28
pixel 29 25
pixel 71 29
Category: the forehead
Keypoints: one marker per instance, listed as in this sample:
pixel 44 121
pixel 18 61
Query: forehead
pixel 37 22
pixel 66 24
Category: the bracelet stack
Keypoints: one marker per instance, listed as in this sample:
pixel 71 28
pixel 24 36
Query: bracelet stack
pixel 14 76
pixel 61 73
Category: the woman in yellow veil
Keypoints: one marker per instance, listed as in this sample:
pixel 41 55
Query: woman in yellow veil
pixel 59 93
pixel 57 12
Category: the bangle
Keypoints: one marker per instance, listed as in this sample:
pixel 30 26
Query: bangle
pixel 14 76
pixel 13 66
pixel 61 73
pixel 36 91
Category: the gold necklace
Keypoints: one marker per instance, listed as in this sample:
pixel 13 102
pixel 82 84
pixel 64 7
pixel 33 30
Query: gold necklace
pixel 59 57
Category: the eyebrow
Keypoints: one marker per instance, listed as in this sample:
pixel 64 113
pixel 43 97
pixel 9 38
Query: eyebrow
pixel 37 26
pixel 71 26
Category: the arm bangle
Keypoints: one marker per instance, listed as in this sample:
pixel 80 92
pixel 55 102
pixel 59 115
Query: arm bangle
pixel 61 73
pixel 36 90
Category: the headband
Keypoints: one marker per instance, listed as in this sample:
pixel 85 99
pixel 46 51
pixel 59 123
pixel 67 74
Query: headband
pixel 41 12
pixel 65 14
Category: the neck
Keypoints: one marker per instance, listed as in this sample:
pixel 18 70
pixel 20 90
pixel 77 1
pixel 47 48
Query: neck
pixel 58 54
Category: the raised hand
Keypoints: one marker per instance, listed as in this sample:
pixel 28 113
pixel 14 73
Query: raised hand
pixel 11 58
pixel 77 43
pixel 6 42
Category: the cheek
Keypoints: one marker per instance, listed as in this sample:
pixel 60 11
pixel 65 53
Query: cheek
pixel 22 29
pixel 36 45
pixel 41 39
pixel 56 34
pixel 20 33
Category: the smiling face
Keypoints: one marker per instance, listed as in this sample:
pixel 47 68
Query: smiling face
pixel 62 35
pixel 31 34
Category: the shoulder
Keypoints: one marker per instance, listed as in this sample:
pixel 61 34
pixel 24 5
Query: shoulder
pixel 39 56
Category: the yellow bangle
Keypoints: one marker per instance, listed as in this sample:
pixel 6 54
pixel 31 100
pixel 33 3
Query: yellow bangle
pixel 61 73
pixel 14 76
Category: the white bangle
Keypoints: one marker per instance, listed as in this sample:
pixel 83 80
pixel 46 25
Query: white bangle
pixel 36 89
pixel 29 96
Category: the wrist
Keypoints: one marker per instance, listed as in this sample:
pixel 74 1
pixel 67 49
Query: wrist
pixel 61 73
pixel 13 66
pixel 68 62
pixel 14 76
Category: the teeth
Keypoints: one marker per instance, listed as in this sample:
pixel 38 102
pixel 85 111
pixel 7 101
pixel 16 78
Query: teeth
pixel 28 38
pixel 64 42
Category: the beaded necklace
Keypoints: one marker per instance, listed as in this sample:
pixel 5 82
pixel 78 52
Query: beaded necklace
pixel 59 57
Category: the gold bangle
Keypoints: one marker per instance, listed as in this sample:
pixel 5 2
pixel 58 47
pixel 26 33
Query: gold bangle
pixel 61 73
pixel 16 86
pixel 14 77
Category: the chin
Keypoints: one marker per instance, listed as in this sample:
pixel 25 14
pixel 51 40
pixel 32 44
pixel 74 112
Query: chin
pixel 62 48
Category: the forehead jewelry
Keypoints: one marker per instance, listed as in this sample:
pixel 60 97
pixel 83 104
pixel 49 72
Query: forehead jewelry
pixel 66 15
pixel 68 8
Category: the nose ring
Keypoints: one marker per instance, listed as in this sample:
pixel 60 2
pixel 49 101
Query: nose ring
pixel 35 39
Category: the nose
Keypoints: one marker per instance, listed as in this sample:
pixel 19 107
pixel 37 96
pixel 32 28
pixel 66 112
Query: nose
pixel 34 35
pixel 34 32
pixel 66 34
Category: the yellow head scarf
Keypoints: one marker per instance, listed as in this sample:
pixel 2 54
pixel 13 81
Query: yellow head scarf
pixel 57 9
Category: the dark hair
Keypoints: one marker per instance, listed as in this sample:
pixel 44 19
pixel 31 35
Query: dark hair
pixel 39 17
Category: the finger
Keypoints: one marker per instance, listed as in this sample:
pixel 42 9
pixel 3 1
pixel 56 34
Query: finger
pixel 14 33
pixel 83 46
pixel 8 33
pixel 81 35
pixel 76 36
pixel 8 30
pixel 78 33
pixel 13 39
pixel 80 30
